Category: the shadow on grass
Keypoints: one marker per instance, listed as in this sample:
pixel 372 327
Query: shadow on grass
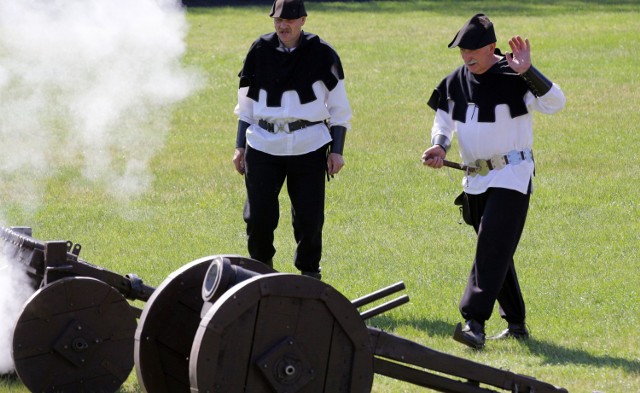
pixel 556 355
pixel 551 353
pixel 444 7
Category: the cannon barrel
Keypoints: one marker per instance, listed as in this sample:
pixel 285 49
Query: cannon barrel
pixel 46 262
pixel 20 247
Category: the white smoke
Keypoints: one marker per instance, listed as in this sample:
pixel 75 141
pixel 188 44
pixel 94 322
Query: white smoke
pixel 16 289
pixel 86 87
pixel 87 84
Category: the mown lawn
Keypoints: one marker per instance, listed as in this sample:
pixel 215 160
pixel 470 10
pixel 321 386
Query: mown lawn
pixel 390 219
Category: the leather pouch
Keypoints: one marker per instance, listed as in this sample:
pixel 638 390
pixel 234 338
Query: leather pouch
pixel 462 201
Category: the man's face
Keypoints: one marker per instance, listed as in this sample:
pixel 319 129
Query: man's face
pixel 289 30
pixel 479 60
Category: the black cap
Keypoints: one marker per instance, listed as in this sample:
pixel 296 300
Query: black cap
pixel 288 9
pixel 476 33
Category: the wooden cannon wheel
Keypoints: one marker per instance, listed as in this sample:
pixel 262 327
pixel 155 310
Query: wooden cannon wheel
pixel 281 333
pixel 74 335
pixel 169 322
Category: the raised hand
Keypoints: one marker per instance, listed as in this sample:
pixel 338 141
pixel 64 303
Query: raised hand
pixel 519 58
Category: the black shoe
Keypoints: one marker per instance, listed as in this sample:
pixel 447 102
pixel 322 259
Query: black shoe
pixel 471 335
pixel 317 275
pixel 517 331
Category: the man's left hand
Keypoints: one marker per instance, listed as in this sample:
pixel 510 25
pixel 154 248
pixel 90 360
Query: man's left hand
pixel 238 160
pixel 520 57
pixel 335 162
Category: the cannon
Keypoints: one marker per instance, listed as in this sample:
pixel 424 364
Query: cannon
pixel 77 329
pixel 222 323
pixel 76 333
pixel 288 333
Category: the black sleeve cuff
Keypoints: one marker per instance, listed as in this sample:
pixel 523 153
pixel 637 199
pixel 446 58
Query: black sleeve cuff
pixel 441 141
pixel 338 135
pixel 241 138
pixel 538 83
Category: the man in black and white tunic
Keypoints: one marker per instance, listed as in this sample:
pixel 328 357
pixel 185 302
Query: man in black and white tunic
pixel 488 102
pixel 293 117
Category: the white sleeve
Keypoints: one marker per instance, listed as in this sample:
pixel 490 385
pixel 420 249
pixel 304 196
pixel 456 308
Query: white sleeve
pixel 244 108
pixel 443 124
pixel 338 106
pixel 549 103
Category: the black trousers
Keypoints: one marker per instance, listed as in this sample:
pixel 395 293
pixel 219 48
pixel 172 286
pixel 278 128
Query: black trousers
pixel 498 217
pixel 264 177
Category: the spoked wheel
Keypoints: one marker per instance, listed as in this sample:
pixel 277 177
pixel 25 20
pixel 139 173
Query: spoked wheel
pixel 74 335
pixel 281 333
pixel 169 322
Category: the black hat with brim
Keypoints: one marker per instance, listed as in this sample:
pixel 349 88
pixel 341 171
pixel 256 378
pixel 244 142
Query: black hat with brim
pixel 475 34
pixel 288 9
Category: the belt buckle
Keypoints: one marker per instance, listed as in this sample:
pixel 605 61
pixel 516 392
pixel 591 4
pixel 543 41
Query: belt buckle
pixel 279 127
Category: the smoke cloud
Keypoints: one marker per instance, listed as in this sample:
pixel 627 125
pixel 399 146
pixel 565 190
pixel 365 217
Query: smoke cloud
pixel 14 283
pixel 89 83
pixel 86 86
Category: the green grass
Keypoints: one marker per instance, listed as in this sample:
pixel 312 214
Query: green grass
pixel 388 218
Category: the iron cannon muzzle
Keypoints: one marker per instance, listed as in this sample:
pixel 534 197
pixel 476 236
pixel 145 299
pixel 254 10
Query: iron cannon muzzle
pixel 220 277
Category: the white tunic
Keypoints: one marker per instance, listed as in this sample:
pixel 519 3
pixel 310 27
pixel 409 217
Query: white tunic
pixel 481 140
pixel 332 106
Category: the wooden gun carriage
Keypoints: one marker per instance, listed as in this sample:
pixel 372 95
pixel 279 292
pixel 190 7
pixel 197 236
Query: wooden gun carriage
pixel 222 323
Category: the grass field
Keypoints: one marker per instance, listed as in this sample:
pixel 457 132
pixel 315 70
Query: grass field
pixel 388 218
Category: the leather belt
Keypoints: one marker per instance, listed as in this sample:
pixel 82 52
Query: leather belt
pixel 287 127
pixel 514 157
